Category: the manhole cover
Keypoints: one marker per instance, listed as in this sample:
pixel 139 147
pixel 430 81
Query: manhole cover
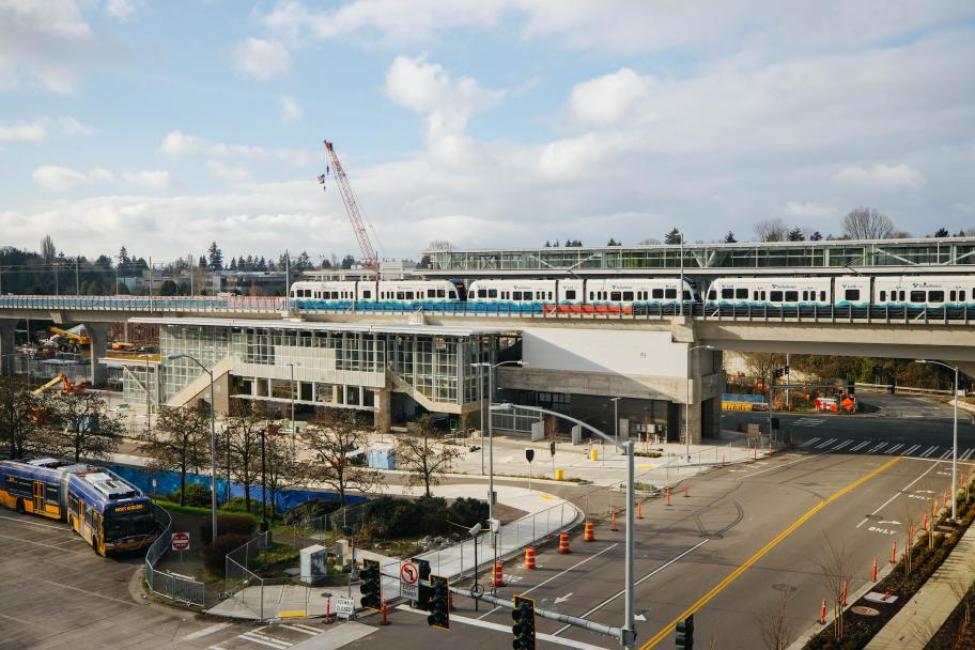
pixel 788 589
pixel 864 611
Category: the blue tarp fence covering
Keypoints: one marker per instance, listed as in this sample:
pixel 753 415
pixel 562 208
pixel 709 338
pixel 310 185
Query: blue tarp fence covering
pixel 167 482
pixel 743 397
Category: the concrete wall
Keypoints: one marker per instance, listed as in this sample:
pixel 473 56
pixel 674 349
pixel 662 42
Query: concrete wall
pixel 639 353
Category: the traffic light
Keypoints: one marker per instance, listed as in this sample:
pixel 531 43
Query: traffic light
pixel 371 587
pixel 439 603
pixel 523 624
pixel 424 592
pixel 780 372
pixel 685 633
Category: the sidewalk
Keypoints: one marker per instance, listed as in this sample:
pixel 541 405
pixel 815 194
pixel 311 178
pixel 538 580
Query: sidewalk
pixel 924 614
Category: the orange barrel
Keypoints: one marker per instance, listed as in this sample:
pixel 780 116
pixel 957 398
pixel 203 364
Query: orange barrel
pixel 498 580
pixel 613 527
pixel 589 535
pixel 529 557
pixel 564 543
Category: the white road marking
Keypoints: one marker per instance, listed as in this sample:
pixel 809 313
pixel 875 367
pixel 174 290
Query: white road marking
pixel 842 444
pixel 967 454
pixel 254 637
pixel 861 445
pixel 810 441
pixel 877 448
pixel 930 450
pixel 302 628
pixel 27 522
pixel 946 454
pixel 809 422
pixel 908 452
pixel 638 582
pixel 894 448
pixel 827 443
pixel 558 575
pixel 207 631
pixel 903 489
pixel 562 599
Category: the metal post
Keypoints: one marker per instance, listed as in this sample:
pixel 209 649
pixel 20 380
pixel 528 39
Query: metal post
pixel 77 276
pixel 264 525
pixel 954 456
pixel 491 447
pixel 629 622
pixel 213 470
pixel 687 409
pixel 287 282
pixel 771 379
pixel 294 448
pixel 680 290
pixel 480 395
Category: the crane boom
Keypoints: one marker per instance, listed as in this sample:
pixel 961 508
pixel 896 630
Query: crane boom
pixel 369 258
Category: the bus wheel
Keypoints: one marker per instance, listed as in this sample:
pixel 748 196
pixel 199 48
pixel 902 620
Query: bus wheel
pixel 20 506
pixel 94 545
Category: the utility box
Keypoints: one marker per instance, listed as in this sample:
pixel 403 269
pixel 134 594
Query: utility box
pixel 313 564
pixel 342 551
pixel 577 434
pixel 382 456
pixel 538 431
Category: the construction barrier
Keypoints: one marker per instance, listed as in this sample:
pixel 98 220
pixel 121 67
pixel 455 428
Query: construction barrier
pixel 498 578
pixel 564 543
pixel 873 571
pixel 639 510
pixel 529 558
pixel 613 525
pixel 822 613
pixel 893 552
pixel 588 534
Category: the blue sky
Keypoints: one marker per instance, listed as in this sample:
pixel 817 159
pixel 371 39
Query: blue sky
pixel 165 125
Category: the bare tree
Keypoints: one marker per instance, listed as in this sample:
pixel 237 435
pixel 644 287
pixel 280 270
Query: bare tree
pixel 243 435
pixel 771 230
pixel 836 569
pixel 773 623
pixel 48 251
pixel 331 437
pixel 80 424
pixel 280 466
pixel 423 459
pixel 20 415
pixel 179 442
pixel 867 223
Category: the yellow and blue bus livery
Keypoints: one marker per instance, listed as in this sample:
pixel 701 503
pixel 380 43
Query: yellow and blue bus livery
pixel 107 512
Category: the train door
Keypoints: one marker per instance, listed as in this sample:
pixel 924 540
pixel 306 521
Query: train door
pixel 38 497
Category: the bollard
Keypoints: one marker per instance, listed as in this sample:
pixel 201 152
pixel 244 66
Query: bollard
pixel 639 510
pixel 613 525
pixel 843 594
pixel 328 610
pixel 687 490
pixel 755 453
pixel 893 552
pixel 924 522
pixel 724 458
pixel 946 498
pixel 385 612
pixel 588 534
pixel 873 571
pixel 668 496
pixel 564 543
pixel 529 558
pixel 498 578
pixel 822 613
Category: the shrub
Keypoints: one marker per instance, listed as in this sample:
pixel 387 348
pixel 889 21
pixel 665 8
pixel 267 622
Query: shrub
pixel 239 504
pixel 196 495
pixel 229 524
pixel 466 511
pixel 432 515
pixel 311 509
pixel 393 517
pixel 214 554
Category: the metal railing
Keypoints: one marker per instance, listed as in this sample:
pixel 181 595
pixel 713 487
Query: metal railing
pixel 176 587
pixel 241 583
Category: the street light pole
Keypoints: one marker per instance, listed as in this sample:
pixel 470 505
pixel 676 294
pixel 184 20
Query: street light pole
pixel 616 418
pixel 213 443
pixel 954 439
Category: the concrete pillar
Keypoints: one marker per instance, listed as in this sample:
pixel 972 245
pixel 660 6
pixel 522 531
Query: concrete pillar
pixel 98 333
pixel 7 346
pixel 382 416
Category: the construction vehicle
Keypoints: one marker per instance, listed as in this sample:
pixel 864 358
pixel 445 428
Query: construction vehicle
pixel 68 387
pixel 332 164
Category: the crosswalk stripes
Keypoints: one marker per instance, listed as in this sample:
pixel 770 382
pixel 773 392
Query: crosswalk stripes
pixel 967 454
pixel 946 454
pixel 878 447
pixel 894 448
pixel 930 450
pixel 860 446
pixel 885 447
pixel 911 450
pixel 810 441
pixel 826 444
pixel 842 444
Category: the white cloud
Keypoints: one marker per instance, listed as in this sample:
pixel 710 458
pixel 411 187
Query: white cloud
pixel 153 180
pixel 810 210
pixel 290 110
pixel 24 132
pixel 121 10
pixel 71 126
pixel 604 101
pixel 228 172
pixel 58 179
pixel 177 143
pixel 101 174
pixel 260 59
pixel 882 176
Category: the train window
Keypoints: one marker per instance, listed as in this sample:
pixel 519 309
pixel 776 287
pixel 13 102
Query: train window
pixel 918 296
pixel 628 296
pixel 400 295
pixel 492 293
pixel 775 296
pixel 954 295
pixel 936 296
pixel 516 295
pixel 741 294
pixel 615 296
pixel 658 294
pixel 366 294
pixel 755 295
pixel 570 294
pixel 549 295
pixel 727 293
pixel 590 295
pixel 883 296
pixel 961 296
pixel 442 293
pixel 792 296
pixel 482 293
pixel 852 294
pixel 687 294
pixel 670 294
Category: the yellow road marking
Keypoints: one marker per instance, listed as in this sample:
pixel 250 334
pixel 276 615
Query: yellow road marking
pixel 760 553
pixel 292 613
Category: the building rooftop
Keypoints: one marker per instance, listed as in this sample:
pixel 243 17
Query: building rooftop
pixel 427 330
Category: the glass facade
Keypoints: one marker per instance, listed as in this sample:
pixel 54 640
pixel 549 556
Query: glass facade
pixel 833 254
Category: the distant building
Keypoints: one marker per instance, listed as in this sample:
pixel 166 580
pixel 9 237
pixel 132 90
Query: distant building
pixel 247 283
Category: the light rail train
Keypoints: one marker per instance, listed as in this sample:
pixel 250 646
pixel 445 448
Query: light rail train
pixel 626 295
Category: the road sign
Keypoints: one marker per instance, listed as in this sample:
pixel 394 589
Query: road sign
pixel 409 592
pixel 551 447
pixel 530 455
pixel 344 607
pixel 180 541
pixel 409 573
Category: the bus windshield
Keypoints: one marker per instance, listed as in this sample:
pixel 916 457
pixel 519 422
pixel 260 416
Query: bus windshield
pixel 135 523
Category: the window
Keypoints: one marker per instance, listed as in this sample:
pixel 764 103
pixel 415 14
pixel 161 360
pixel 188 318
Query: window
pixel 516 295
pixel 366 294
pixel 776 296
pixel 482 293
pixel 409 295
pixel 741 294
pixel 431 293
pixel 591 295
pixel 712 295
pixel 727 294
pixel 763 295
pixel 756 295
pixel 628 296
pixel 903 293
pixel 852 294
pixel 954 295
pixel 670 294
pixel 492 293
pixel 961 296
pixel 792 296
pixel 442 293
pixel 883 296
pixel 658 294
pixel 549 295
pixel 936 296
pixel 400 295
pixel 570 294
pixel 687 294
pixel 822 296
pixel 615 296
pixel 918 296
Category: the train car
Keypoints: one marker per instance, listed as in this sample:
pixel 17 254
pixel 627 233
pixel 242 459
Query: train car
pixel 769 292
pixel 414 294
pixel 107 512
pixel 328 294
pixel 953 291
pixel 512 295
pixel 852 291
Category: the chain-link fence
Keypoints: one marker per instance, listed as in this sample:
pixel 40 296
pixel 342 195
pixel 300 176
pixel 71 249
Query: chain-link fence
pixel 241 583
pixel 170 585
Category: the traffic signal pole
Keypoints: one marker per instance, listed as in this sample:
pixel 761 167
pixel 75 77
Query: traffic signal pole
pixel 628 635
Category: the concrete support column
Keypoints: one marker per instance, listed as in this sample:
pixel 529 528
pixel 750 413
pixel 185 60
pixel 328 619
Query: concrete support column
pixel 98 333
pixel 382 416
pixel 706 385
pixel 7 346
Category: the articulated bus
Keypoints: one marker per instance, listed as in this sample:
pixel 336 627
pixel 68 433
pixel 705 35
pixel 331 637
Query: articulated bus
pixel 110 514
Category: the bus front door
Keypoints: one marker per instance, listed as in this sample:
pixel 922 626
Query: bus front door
pixel 38 496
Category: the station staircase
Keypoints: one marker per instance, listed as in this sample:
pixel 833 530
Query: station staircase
pixel 200 387
pixel 400 385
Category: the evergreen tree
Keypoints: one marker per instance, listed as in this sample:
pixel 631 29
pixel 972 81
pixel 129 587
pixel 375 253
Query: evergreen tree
pixel 348 262
pixel 613 242
pixel 261 265
pixel 216 257
pixel 941 232
pixel 730 238
pixel 796 234
pixel 673 237
pixel 816 236
pixel 233 264
pixel 203 262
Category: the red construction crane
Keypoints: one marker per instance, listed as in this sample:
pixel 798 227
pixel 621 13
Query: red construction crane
pixel 369 259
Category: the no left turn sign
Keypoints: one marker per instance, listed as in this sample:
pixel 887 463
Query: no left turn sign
pixel 409 573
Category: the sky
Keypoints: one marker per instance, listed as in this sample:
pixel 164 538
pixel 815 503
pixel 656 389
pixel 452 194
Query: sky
pixel 165 125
